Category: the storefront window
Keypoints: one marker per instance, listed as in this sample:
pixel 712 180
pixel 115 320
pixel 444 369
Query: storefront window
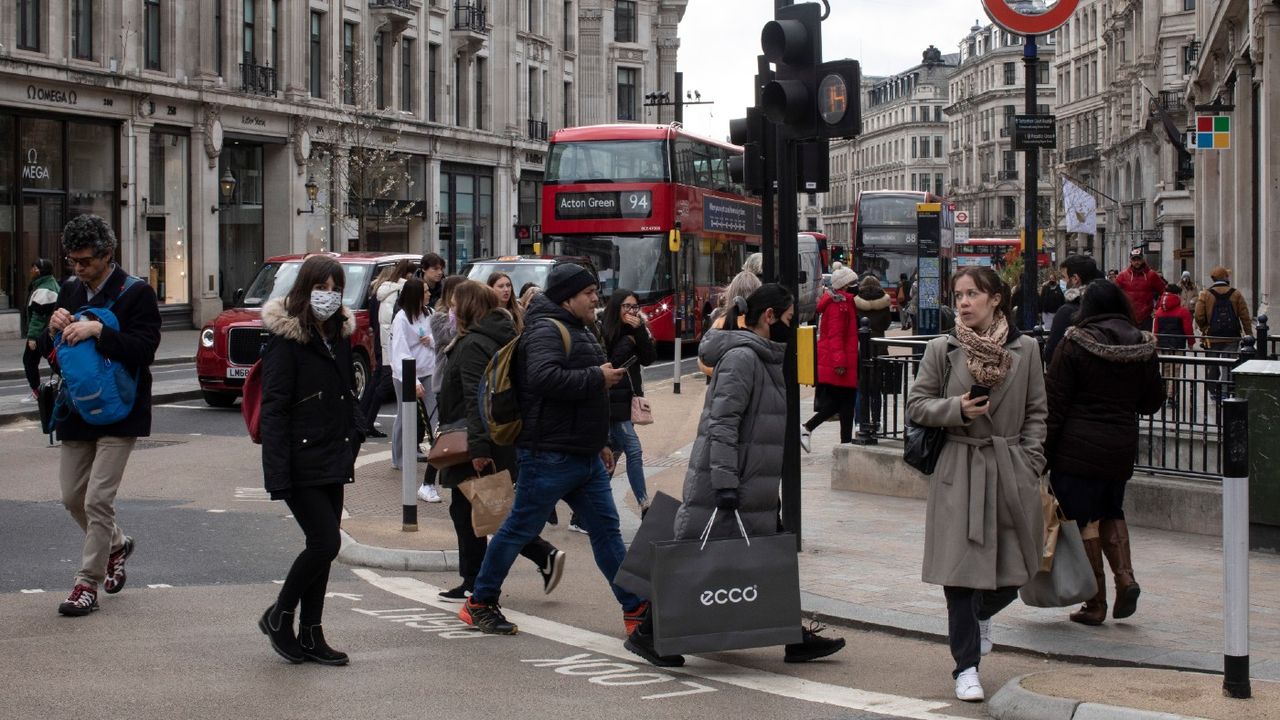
pixel 10 273
pixel 92 153
pixel 240 227
pixel 466 209
pixel 40 152
pixel 167 217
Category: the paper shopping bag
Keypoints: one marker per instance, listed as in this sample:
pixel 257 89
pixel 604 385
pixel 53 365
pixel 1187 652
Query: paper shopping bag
pixel 1052 522
pixel 658 525
pixel 491 497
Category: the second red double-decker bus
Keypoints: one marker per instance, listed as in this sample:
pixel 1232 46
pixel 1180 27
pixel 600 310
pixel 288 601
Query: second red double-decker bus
pixel 615 193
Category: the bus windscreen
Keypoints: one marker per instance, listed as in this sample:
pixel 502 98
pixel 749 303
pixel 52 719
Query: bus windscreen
pixel 573 163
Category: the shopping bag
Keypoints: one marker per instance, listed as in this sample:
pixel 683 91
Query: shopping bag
pixel 491 497
pixel 658 525
pixel 1052 523
pixel 1070 579
pixel 730 594
pixel 450 447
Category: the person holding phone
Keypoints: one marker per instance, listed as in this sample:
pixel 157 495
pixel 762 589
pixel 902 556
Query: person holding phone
pixel 630 346
pixel 983 382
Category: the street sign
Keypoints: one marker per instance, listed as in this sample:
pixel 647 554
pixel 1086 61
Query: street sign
pixel 962 217
pixel 961 234
pixel 1035 131
pixel 1030 17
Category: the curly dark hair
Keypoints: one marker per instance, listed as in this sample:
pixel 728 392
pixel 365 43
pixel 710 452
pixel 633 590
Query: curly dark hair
pixel 88 231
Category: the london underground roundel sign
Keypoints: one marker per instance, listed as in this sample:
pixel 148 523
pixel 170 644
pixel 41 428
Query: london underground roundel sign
pixel 1030 17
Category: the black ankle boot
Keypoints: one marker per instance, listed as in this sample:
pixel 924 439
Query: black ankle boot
pixel 315 649
pixel 278 627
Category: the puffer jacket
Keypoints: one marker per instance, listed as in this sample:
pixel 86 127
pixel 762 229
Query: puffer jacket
pixel 637 343
pixel 739 443
pixel 563 403
pixel 444 328
pixel 310 426
pixel 837 339
pixel 1143 288
pixel 1173 324
pixel 459 397
pixel 41 303
pixel 873 304
pixel 387 295
pixel 1103 375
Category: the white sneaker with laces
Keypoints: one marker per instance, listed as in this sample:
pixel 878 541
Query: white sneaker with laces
pixel 428 494
pixel 984 632
pixel 968 687
pixel 805 439
pixel 27 400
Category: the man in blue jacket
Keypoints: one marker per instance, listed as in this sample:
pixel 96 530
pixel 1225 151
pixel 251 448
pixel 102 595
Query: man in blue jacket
pixel 94 456
pixel 563 445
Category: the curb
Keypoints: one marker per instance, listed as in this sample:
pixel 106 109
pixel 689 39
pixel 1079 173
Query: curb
pixel 356 553
pixel 33 414
pixel 1014 702
pixel 20 373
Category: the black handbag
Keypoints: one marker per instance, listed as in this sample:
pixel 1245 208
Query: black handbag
pixel 921 446
pixel 47 403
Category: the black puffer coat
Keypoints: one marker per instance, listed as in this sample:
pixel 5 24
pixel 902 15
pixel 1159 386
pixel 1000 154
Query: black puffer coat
pixel 873 304
pixel 459 393
pixel 637 343
pixel 310 426
pixel 1104 373
pixel 563 401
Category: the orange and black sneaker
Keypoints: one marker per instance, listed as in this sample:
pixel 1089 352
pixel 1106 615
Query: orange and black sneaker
pixel 486 617
pixel 632 619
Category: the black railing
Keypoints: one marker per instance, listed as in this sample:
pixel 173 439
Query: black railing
pixel 398 4
pixel 1171 101
pixel 537 129
pixel 258 79
pixel 1082 152
pixel 470 16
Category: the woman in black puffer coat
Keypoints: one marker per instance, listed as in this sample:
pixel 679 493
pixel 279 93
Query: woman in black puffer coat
pixel 311 431
pixel 1103 375
pixel 627 339
pixel 482 329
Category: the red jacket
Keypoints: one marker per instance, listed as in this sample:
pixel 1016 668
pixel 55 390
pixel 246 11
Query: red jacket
pixel 1171 321
pixel 837 339
pixel 1143 290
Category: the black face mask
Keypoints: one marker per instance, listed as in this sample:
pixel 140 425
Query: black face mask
pixel 780 332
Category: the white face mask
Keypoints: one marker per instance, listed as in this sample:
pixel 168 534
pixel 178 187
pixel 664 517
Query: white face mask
pixel 324 303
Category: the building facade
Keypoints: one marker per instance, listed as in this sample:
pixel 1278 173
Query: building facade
pixel 985 92
pixel 202 131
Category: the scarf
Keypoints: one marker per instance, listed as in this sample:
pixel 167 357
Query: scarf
pixel 1072 294
pixel 985 356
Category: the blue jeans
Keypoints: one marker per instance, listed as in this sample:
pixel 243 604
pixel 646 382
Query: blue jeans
pixel 545 479
pixel 622 439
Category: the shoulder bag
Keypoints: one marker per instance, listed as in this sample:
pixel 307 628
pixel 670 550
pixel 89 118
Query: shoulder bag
pixel 921 446
pixel 450 447
pixel 641 412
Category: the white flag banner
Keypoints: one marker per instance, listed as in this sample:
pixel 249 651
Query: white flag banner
pixel 1081 208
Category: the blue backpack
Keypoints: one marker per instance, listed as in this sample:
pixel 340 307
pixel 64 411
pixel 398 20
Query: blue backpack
pixel 100 389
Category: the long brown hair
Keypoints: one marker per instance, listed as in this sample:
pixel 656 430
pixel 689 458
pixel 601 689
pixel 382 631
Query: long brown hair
pixel 447 286
pixel 513 303
pixel 316 270
pixel 986 280
pixel 472 300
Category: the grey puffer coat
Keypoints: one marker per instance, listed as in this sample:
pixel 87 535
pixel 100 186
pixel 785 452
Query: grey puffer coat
pixel 739 442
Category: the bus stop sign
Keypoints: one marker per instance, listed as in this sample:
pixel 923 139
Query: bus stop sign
pixel 1030 17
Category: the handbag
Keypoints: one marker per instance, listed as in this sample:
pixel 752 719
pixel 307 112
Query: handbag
pixel 922 446
pixel 1069 577
pixel 491 498
pixel 450 447
pixel 658 525
pixel 47 403
pixel 730 594
pixel 641 412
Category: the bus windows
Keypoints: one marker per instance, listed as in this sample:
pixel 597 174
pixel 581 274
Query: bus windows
pixel 607 160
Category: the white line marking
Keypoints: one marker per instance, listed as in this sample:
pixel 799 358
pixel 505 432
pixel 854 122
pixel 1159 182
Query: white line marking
pixel 751 679
pixel 159 586
pixel 216 510
pixel 190 407
pixel 31 592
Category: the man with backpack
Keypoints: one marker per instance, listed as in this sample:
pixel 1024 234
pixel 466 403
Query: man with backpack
pixel 1223 318
pixel 563 379
pixel 94 454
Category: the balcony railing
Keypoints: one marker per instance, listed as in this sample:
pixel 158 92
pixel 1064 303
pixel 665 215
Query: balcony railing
pixel 537 129
pixel 1171 101
pixel 470 16
pixel 398 4
pixel 257 79
pixel 1082 152
pixel 1008 223
pixel 1007 175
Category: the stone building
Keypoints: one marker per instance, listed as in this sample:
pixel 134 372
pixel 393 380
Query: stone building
pixel 200 131
pixel 986 91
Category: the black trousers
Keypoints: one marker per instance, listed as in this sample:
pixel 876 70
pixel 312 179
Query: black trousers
pixel 379 388
pixel 965 607
pixel 31 364
pixel 318 511
pixel 836 399
pixel 471 549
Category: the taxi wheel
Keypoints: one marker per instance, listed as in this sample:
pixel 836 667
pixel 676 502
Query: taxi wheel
pixel 360 369
pixel 219 399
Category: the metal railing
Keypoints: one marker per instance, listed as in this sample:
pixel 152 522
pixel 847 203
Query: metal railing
pixel 398 4
pixel 257 79
pixel 1082 152
pixel 1171 101
pixel 470 16
pixel 537 129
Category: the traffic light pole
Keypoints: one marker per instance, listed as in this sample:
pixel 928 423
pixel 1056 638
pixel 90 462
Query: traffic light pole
pixel 1031 182
pixel 788 275
pixel 769 137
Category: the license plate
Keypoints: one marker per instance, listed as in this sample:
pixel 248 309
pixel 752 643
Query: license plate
pixel 237 372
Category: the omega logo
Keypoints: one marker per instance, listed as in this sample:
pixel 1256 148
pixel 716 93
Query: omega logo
pixel 730 596
pixel 33 170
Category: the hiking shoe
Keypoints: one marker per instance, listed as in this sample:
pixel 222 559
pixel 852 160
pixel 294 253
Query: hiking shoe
pixel 486 617
pixel 552 571
pixel 632 620
pixel 641 643
pixel 812 645
pixel 278 627
pixel 968 687
pixel 806 440
pixel 575 527
pixel 428 494
pixel 82 601
pixel 984 635
pixel 115 567
pixel 458 594
pixel 315 649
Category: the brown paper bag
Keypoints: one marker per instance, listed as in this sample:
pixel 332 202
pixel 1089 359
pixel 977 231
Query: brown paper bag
pixel 491 497
pixel 1052 525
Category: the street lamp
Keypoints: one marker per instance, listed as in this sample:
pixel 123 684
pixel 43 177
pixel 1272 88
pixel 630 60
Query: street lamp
pixel 312 191
pixel 226 188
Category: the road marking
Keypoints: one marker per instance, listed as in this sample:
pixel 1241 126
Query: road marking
pixel 31 592
pixel 444 624
pixel 252 494
pixel 699 667
pixel 159 586
pixel 345 596
pixel 216 510
pixel 603 671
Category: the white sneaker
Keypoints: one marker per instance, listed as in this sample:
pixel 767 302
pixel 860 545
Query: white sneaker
pixel 805 439
pixel 27 400
pixel 984 632
pixel 968 687
pixel 427 493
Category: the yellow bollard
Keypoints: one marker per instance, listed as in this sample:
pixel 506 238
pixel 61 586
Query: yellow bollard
pixel 807 355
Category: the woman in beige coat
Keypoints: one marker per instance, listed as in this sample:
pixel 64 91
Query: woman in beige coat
pixel 983 524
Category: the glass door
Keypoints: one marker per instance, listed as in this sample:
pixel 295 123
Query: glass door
pixel 39 236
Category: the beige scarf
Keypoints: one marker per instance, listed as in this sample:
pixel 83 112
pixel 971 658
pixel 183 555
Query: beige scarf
pixel 985 356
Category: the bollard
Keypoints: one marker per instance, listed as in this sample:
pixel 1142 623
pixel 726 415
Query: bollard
pixel 1264 338
pixel 867 386
pixel 1235 547
pixel 676 365
pixel 409 445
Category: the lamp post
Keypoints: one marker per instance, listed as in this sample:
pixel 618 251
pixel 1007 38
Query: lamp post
pixel 226 189
pixel 663 98
pixel 312 191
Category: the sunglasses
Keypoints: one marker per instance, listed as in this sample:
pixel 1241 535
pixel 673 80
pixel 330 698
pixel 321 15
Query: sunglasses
pixel 82 262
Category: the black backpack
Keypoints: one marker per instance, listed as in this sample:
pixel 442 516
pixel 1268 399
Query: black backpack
pixel 1223 320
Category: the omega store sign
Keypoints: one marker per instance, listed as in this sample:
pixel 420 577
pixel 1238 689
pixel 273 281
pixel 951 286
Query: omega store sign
pixel 56 97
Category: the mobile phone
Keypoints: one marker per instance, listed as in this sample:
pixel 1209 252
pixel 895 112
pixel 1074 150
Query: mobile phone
pixel 627 365
pixel 979 391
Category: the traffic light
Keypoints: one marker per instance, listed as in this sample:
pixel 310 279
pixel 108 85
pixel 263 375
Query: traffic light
pixel 793 42
pixel 748 169
pixel 839 99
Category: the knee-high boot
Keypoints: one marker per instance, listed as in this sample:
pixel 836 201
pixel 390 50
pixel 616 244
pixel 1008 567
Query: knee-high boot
pixel 1094 610
pixel 1115 545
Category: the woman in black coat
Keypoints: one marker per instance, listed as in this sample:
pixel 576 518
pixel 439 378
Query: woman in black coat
pixel 627 340
pixel 483 328
pixel 311 431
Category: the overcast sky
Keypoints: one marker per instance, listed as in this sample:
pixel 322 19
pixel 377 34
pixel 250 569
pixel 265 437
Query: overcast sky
pixel 720 39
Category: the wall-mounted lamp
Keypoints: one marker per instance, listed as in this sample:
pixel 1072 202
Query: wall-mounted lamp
pixel 312 191
pixel 226 189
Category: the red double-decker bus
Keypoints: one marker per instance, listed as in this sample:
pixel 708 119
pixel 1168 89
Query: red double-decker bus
pixel 615 193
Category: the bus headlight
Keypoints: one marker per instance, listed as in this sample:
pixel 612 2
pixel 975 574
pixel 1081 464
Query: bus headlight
pixel 206 337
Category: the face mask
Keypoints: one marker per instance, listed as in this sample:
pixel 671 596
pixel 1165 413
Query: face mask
pixel 779 332
pixel 1062 285
pixel 324 303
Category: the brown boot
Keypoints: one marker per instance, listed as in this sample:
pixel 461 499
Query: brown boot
pixel 1115 545
pixel 1094 610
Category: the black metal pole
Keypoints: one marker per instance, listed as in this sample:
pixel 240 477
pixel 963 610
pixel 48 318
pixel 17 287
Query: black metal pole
pixel 768 246
pixel 1031 180
pixel 409 446
pixel 789 268
pixel 867 390
pixel 680 98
